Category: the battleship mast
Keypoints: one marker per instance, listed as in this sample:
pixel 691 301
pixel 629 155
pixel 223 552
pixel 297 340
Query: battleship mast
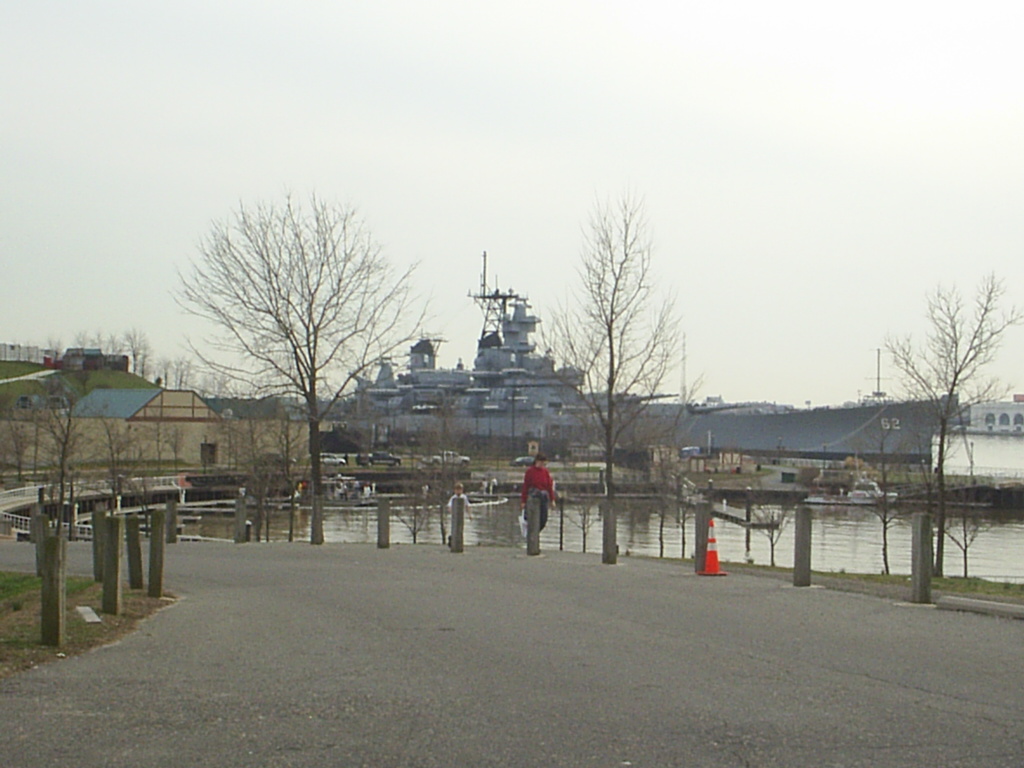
pixel 494 303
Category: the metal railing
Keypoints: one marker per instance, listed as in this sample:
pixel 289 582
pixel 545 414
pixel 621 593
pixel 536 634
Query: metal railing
pixel 20 498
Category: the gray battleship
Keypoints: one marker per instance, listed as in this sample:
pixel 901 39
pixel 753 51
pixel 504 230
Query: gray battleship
pixel 514 394
pixel 871 428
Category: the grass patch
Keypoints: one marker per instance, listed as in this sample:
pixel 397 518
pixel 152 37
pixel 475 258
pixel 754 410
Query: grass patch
pixel 893 586
pixel 14 584
pixel 12 369
pixel 20 630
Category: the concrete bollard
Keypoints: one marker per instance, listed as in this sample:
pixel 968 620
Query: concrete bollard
pixel 802 548
pixel 171 522
pixel 99 539
pixel 383 523
pixel 54 591
pixel 157 544
pixel 112 602
pixel 240 520
pixel 532 525
pixel 748 516
pixel 133 540
pixel 38 531
pixel 458 524
pixel 921 558
pixel 609 534
pixel 701 523
pixel 561 522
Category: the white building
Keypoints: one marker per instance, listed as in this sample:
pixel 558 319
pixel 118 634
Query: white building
pixel 1005 417
pixel 993 445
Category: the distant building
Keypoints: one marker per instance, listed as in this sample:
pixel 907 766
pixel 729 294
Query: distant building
pixel 160 423
pixel 993 445
pixel 91 359
pixel 25 353
pixel 998 417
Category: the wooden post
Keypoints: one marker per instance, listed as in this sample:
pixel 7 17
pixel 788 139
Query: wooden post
pixel 99 538
pixel 171 522
pixel 458 523
pixel 157 543
pixel 749 507
pixel 132 527
pixel 54 590
pixel 383 523
pixel 609 534
pixel 37 533
pixel 112 565
pixel 532 525
pixel 240 520
pixel 561 522
pixel 921 558
pixel 701 523
pixel 802 548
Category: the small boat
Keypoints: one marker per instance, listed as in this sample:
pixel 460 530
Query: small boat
pixel 864 493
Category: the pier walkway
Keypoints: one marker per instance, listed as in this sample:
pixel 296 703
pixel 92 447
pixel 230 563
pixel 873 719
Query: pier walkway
pixel 347 655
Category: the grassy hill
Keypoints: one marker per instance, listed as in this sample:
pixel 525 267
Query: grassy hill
pixel 12 385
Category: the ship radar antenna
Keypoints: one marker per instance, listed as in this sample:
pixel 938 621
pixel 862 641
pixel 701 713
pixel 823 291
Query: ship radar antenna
pixel 878 394
pixel 493 301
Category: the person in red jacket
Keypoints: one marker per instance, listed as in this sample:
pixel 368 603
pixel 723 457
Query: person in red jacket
pixel 537 482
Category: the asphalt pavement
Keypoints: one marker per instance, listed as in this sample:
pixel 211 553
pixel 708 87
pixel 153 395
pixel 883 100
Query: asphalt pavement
pixel 346 655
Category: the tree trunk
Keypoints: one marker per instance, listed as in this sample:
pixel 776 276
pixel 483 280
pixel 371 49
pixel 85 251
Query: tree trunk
pixel 885 546
pixel 316 523
pixel 940 513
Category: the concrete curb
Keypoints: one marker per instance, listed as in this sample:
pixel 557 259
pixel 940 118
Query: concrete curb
pixel 988 607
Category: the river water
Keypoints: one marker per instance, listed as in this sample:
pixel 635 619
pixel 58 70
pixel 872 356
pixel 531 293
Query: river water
pixel 842 538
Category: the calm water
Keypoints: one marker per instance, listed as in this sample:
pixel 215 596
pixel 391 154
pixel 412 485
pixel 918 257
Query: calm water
pixel 843 539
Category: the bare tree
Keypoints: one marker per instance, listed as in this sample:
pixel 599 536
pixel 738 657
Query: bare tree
pixel 175 440
pixel 884 437
pixel 416 515
pixel 667 475
pixel 178 373
pixel 619 337
pixel 584 517
pixel 438 437
pixel 948 370
pixel 264 469
pixel 287 437
pixel 15 442
pixel 56 345
pixel 113 344
pixel 137 343
pixel 964 530
pixel 116 451
pixel 771 521
pixel 306 302
pixel 61 435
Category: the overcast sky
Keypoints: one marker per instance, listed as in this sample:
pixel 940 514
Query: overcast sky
pixel 811 170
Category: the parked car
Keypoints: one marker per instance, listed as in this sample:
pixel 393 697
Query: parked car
pixel 451 458
pixel 522 461
pixel 378 457
pixel 332 460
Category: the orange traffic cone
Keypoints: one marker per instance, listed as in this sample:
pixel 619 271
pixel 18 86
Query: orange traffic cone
pixel 711 559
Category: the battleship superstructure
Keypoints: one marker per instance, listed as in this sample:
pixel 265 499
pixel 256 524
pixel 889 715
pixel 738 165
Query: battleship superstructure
pixel 512 391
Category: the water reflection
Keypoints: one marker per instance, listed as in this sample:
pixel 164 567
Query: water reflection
pixel 843 539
